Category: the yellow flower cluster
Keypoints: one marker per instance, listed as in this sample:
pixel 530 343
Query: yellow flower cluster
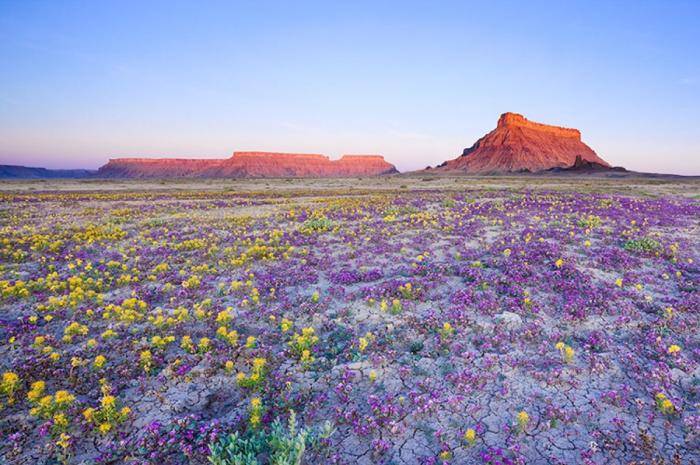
pixel 99 361
pixel 8 386
pixel 286 325
pixel 50 407
pixel 566 351
pixel 674 349
pixel 108 334
pixel 668 312
pixel 224 317
pixel 187 344
pixel 363 342
pixel 664 404
pixel 204 345
pixel 146 360
pixel 470 436
pixel 256 412
pixel 191 244
pixel 193 282
pixel 523 419
pixel 302 344
pixel 256 376
pixel 159 342
pixel 130 310
pixel 159 320
pixel 74 329
pixel 408 291
pixel 18 289
pixel 99 233
pixel 229 336
pixel 109 415
pixel 396 306
pixel 446 330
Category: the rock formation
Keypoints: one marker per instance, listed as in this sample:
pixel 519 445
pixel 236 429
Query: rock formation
pixel 27 172
pixel 518 145
pixel 249 165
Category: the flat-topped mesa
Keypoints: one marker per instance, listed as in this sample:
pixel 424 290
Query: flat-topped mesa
pixel 302 165
pixel 518 144
pixel 363 165
pixel 280 155
pixel 362 157
pixel 155 167
pixel 158 160
pixel 368 159
pixel 517 120
pixel 249 164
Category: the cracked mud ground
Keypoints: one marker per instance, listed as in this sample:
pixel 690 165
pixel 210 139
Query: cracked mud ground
pixel 558 323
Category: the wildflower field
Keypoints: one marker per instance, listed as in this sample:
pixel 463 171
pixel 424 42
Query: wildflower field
pixel 397 322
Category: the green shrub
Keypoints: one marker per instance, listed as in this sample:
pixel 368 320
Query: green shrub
pixel 590 221
pixel 316 225
pixel 236 450
pixel 644 245
pixel 279 446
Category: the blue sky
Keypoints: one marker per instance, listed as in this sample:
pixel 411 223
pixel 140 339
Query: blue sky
pixel 415 81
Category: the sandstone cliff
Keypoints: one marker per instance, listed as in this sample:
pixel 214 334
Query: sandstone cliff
pixel 249 164
pixel 518 144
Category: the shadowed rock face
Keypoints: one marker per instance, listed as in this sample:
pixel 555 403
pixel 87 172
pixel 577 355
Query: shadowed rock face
pixel 249 165
pixel 26 172
pixel 518 144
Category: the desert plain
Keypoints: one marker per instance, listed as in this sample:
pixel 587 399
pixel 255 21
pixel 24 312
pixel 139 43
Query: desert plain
pixel 396 320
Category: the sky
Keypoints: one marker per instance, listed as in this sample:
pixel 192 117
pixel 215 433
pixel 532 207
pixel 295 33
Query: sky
pixel 417 82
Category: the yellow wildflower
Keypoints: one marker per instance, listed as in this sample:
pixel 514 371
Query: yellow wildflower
pixel 64 397
pixel 63 441
pixel 89 414
pixel 470 436
pixel 523 419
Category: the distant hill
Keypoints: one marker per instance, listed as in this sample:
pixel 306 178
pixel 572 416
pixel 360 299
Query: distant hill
pixel 26 172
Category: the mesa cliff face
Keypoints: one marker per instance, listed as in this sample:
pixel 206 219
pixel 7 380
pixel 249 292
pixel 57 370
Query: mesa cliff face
pixel 249 165
pixel 518 144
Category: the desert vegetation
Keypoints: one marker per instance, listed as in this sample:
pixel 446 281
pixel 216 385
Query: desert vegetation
pixel 408 322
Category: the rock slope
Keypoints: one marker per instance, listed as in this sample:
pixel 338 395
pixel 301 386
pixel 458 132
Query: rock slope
pixel 518 144
pixel 249 164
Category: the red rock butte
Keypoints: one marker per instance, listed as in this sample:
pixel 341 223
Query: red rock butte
pixel 249 165
pixel 518 145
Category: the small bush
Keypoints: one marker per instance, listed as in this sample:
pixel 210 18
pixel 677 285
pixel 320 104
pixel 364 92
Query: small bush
pixel 316 225
pixel 643 245
pixel 279 446
pixel 590 221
